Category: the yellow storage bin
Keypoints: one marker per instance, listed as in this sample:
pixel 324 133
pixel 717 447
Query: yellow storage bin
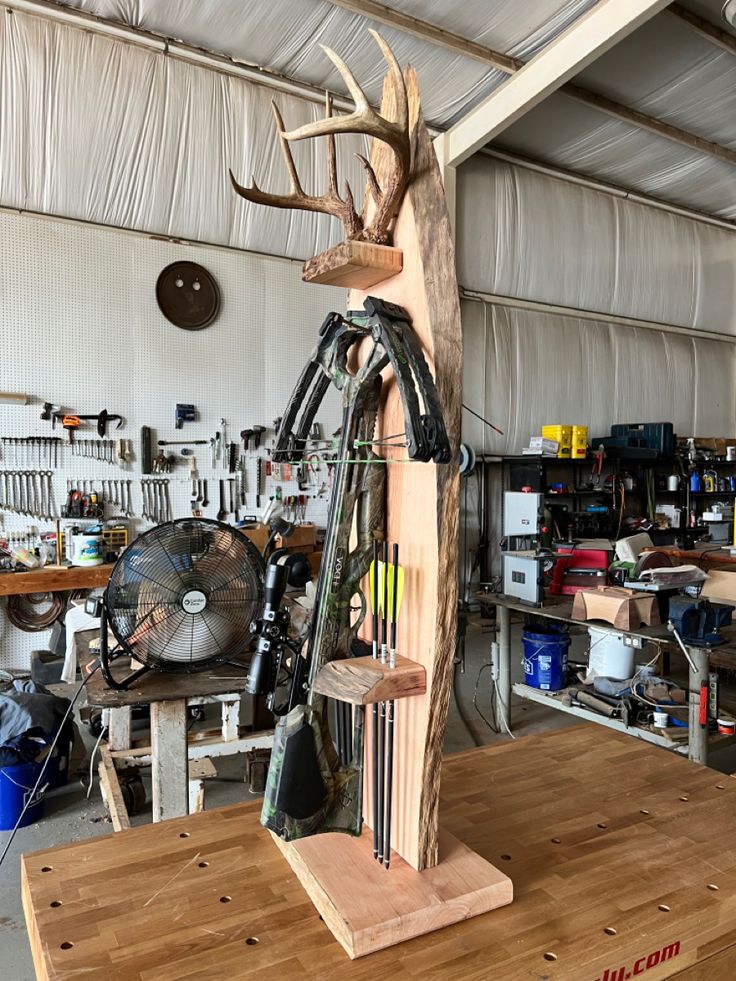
pixel 563 435
pixel 579 448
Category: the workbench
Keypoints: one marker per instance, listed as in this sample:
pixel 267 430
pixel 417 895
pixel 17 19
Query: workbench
pixel 622 859
pixel 54 580
pixel 560 608
pixel 171 749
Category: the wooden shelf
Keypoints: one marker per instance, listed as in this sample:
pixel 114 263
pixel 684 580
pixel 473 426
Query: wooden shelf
pixel 358 265
pixel 363 680
pixel 54 580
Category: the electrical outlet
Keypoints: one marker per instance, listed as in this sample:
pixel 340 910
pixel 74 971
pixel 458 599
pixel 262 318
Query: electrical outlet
pixel 635 642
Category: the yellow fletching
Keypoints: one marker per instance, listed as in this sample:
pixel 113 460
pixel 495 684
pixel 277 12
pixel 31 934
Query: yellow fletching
pixel 376 569
pixel 394 614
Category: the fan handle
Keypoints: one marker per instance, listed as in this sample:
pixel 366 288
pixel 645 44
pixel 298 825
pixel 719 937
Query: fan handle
pixel 105 658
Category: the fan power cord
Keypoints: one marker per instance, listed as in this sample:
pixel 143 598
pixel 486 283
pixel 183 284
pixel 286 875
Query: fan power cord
pixel 460 709
pixel 45 764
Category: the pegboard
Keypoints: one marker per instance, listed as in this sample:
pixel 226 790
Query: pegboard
pixel 81 328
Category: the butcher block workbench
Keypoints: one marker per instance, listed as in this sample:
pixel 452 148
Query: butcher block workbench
pixel 623 860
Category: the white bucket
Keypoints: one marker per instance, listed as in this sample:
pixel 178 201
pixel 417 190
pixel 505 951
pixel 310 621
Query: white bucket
pixel 87 550
pixel 609 656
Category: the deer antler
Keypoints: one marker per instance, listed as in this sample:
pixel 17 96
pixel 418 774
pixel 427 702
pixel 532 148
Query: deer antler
pixel 330 203
pixel 364 119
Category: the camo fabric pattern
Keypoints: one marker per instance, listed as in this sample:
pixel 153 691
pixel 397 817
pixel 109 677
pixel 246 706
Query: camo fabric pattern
pixel 341 809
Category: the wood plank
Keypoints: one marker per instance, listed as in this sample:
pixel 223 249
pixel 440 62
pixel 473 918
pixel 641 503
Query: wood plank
pixel 54 580
pixel 111 793
pixel 159 686
pixel 590 826
pixel 394 906
pixel 363 680
pixel 119 727
pixel 422 498
pixel 169 790
pixel 358 265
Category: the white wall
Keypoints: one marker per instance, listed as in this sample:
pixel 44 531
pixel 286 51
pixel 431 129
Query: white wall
pixel 80 327
pixel 526 235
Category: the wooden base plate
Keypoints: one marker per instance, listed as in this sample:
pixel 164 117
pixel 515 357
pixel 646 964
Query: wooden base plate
pixel 358 265
pixel 368 907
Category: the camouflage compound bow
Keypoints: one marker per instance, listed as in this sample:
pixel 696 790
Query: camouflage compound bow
pixel 309 788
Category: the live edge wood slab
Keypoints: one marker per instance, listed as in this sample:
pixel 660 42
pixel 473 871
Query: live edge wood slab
pixel 621 856
pixel 363 680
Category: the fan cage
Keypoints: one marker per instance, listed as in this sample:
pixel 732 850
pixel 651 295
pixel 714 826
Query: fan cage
pixel 182 596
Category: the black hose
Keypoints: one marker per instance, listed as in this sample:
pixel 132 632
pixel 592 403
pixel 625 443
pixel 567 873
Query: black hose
pixel 460 709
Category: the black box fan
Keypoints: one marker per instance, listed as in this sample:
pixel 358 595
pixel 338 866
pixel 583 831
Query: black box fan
pixel 181 598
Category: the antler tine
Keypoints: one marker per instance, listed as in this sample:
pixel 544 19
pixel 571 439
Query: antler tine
pixel 370 173
pixel 347 76
pixel 331 151
pixel 364 119
pixel 286 151
pixel 402 100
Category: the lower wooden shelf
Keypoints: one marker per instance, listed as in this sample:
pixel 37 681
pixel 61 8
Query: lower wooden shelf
pixel 365 680
pixel 368 907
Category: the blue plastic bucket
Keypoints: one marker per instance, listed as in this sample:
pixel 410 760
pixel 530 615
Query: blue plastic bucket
pixel 545 660
pixel 16 784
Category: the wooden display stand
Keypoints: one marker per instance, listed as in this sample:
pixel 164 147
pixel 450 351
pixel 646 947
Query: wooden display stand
pixel 434 880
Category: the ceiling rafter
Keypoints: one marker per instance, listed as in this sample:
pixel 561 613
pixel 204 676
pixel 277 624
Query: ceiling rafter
pixel 711 32
pixel 505 63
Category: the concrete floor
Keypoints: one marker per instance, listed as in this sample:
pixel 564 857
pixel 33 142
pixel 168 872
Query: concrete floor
pixel 71 817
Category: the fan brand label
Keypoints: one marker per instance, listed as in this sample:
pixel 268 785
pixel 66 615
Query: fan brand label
pixel 194 601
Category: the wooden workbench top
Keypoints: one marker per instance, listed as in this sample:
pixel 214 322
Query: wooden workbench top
pixel 48 580
pixel 160 686
pixel 621 855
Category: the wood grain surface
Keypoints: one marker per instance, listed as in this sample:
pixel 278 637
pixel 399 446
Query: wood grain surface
pixel 363 680
pixel 397 904
pixel 422 498
pixel 159 686
pixel 54 580
pixel 596 830
pixel 358 265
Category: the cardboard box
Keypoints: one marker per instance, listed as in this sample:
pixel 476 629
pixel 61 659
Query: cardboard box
pixel 720 586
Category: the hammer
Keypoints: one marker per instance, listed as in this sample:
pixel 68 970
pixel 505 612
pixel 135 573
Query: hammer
pixel 245 435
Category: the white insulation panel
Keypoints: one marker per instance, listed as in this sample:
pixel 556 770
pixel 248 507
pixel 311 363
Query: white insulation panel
pixel 524 369
pixel 528 235
pixel 80 327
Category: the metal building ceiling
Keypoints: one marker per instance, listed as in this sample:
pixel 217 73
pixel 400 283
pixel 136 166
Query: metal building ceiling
pixel 667 69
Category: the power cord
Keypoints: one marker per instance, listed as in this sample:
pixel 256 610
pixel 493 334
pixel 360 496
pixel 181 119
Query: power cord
pixel 92 760
pixel 493 726
pixel 45 764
